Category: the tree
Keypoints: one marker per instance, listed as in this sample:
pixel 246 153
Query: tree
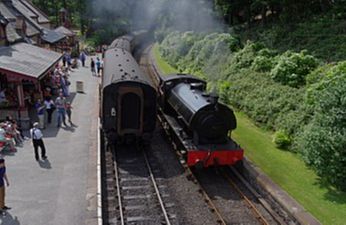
pixel 323 141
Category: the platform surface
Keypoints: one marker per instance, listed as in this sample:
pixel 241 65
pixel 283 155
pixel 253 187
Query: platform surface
pixel 60 190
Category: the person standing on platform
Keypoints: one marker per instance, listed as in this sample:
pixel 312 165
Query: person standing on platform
pixel 60 104
pixel 92 66
pixel 98 66
pixel 50 107
pixel 69 61
pixel 64 59
pixel 3 177
pixel 101 68
pixel 40 113
pixel 36 136
pixel 82 58
pixel 69 112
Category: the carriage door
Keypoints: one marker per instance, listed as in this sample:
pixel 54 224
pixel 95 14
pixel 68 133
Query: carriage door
pixel 130 120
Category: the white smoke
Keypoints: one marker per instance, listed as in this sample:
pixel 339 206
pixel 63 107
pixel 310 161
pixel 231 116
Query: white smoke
pixel 182 15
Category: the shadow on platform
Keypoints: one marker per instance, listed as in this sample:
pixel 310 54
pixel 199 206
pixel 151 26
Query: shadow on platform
pixel 45 164
pixel 8 219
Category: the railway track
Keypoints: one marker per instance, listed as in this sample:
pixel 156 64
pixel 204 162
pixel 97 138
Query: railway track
pixel 136 193
pixel 228 195
pixel 237 201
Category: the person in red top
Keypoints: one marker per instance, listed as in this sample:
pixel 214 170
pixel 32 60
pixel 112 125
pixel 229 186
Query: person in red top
pixel 3 177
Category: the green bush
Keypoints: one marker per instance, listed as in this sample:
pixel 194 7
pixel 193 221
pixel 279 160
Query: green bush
pixel 262 64
pixel 282 140
pixel 292 68
pixel 264 61
pixel 245 57
pixel 323 141
pixel 224 88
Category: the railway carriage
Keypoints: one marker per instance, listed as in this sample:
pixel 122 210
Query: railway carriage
pixel 123 42
pixel 128 97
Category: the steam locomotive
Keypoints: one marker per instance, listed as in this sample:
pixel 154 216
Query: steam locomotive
pixel 198 122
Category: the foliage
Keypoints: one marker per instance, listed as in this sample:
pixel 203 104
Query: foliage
pixel 266 102
pixel 78 11
pixel 290 173
pixel 281 139
pixel 323 35
pixel 323 140
pixel 245 57
pixel 292 68
pixel 75 53
pixel 264 61
pixel 195 53
pixel 224 88
pixel 254 11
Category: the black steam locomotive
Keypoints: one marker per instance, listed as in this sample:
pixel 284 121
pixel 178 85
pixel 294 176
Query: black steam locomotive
pixel 128 96
pixel 198 122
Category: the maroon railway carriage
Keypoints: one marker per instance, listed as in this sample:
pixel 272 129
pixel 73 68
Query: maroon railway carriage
pixel 198 121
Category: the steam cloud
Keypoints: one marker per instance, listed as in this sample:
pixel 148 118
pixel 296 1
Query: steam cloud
pixel 182 15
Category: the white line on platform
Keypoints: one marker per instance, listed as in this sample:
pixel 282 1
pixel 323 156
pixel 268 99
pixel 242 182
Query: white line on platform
pixel 99 190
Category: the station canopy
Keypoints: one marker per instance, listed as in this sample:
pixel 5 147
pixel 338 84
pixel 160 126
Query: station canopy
pixel 65 31
pixel 26 61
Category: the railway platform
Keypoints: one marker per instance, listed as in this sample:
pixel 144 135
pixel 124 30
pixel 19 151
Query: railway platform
pixel 63 188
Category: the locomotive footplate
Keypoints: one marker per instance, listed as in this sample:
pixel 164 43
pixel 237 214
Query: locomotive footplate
pixel 206 155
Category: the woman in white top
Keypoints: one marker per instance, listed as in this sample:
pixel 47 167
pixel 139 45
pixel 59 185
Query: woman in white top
pixel 50 107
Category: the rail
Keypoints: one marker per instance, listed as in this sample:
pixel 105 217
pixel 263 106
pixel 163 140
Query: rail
pixel 117 180
pixel 141 163
pixel 258 215
pixel 263 202
pixel 156 189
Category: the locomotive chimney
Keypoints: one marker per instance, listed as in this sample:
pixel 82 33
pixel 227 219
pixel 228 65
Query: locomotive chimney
pixel 214 99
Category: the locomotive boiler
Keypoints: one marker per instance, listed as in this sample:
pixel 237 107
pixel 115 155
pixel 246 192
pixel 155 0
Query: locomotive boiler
pixel 199 121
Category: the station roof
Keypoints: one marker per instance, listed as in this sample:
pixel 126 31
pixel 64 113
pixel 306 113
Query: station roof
pixel 52 36
pixel 10 11
pixel 33 11
pixel 3 19
pixel 12 35
pixel 41 16
pixel 65 31
pixel 21 9
pixel 27 60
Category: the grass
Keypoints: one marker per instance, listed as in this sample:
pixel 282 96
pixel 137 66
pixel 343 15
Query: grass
pixel 163 65
pixel 289 171
pixel 284 168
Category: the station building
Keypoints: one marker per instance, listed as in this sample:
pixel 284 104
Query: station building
pixel 29 51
